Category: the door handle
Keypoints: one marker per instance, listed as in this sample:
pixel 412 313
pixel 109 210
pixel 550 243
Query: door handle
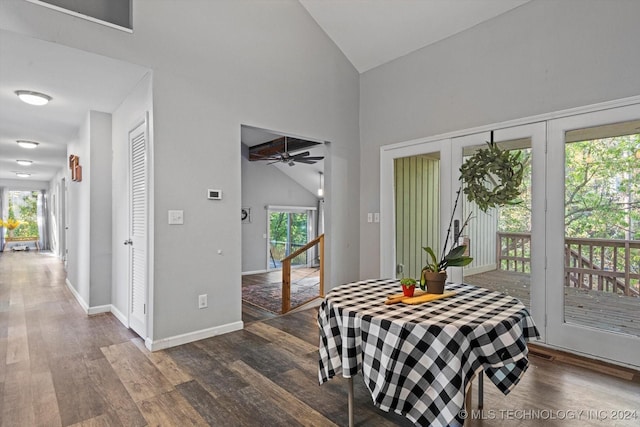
pixel 128 242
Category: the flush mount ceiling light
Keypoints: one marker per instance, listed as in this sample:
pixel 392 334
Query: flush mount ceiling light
pixel 28 144
pixel 23 175
pixel 33 98
pixel 24 162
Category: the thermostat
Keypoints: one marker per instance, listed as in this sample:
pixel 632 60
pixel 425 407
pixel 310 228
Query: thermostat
pixel 214 194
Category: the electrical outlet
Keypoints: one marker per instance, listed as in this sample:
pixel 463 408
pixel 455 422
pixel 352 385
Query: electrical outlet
pixel 202 301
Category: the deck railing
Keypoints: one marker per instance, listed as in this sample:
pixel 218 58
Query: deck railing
pixel 286 271
pixel 601 264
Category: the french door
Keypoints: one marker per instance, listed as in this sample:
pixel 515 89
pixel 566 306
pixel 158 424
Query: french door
pixel 593 233
pixel 575 267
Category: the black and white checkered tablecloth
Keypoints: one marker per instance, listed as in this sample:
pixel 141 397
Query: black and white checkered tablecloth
pixel 418 359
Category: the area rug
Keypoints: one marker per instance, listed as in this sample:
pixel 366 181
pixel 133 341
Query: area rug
pixel 269 295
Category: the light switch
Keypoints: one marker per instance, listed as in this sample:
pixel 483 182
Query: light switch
pixel 176 217
pixel 376 217
pixel 369 217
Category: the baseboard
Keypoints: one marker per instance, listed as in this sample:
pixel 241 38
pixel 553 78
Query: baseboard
pixel 119 315
pixel 161 343
pixel 605 366
pixel 98 309
pixel 78 297
pixel 176 340
pixel 246 273
pixel 90 311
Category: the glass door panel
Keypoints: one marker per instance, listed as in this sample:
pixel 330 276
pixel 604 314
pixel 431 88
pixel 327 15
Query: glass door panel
pixel 602 227
pixel 507 255
pixel 289 230
pixel 501 237
pixel 593 244
pixel 414 197
pixel 417 208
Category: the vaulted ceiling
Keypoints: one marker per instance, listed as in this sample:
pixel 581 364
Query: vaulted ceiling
pixel 369 33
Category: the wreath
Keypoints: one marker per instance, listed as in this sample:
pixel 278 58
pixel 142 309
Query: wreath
pixel 492 177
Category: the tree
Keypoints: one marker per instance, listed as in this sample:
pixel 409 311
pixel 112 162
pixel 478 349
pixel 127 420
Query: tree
pixel 601 188
pixel 26 203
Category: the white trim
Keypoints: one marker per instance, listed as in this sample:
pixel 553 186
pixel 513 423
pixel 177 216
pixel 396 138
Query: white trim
pixel 246 273
pixel 119 315
pixel 83 16
pixel 176 340
pixel 99 309
pixel 78 297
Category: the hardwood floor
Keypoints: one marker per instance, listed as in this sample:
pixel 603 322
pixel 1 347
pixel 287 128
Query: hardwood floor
pixel 59 367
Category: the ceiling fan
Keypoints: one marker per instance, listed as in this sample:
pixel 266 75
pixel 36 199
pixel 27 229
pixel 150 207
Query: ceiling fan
pixel 273 152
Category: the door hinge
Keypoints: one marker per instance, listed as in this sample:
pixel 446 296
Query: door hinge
pixel 545 320
pixel 144 308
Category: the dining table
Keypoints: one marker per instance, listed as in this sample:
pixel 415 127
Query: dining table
pixel 419 359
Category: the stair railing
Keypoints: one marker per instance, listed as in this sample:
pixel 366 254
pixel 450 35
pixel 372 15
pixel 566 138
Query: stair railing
pixel 286 271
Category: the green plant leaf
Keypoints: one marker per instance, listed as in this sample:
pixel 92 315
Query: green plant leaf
pixel 434 260
pixel 460 262
pixel 455 252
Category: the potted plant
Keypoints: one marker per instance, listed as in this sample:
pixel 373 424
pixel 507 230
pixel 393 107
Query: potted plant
pixel 434 273
pixel 408 286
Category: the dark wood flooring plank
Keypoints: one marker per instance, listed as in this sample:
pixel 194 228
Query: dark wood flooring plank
pixel 170 409
pixel 282 399
pixel 281 338
pixel 164 363
pixel 120 405
pixel 302 324
pixel 17 342
pixel 78 399
pixel 224 410
pixel 210 371
pixel 104 420
pixel 141 379
pixel 252 313
pixel 17 409
pixel 44 400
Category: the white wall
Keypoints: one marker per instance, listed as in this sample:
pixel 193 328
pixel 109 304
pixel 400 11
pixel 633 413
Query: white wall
pixel 89 213
pixel 79 214
pixel 100 208
pixel 129 114
pixel 264 185
pixel 541 57
pixel 217 65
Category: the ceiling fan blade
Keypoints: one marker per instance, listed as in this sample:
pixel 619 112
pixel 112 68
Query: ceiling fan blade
pixel 305 161
pixel 256 156
pixel 314 158
pixel 296 156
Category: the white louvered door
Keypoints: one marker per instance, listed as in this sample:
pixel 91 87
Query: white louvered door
pixel 138 220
